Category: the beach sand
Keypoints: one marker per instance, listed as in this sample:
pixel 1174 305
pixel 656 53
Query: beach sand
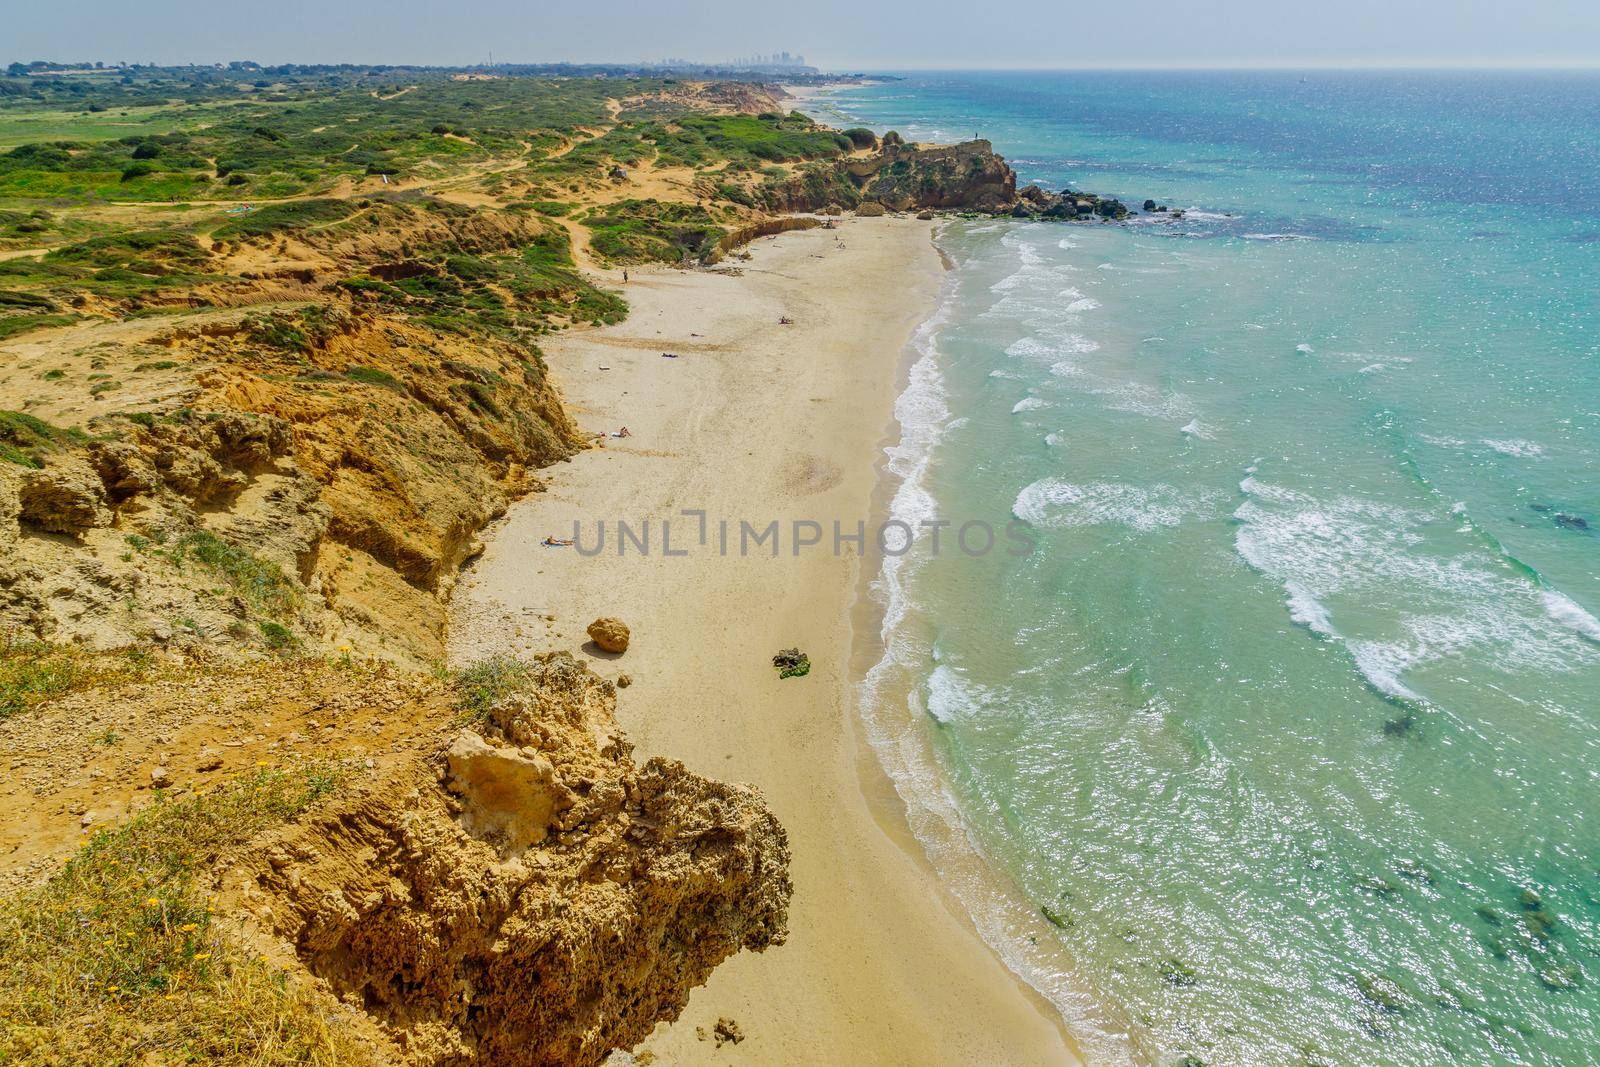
pixel 759 421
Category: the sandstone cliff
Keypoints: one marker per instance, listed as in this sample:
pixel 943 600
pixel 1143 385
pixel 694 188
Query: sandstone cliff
pixel 531 896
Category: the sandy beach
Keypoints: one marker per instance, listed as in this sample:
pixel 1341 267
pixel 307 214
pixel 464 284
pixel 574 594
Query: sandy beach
pixel 758 421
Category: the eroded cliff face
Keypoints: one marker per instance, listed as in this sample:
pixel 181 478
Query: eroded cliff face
pixel 527 894
pixel 306 474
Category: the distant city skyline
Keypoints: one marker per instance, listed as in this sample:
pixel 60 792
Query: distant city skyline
pixel 835 35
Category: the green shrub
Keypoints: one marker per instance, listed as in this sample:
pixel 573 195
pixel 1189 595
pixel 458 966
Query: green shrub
pixel 374 376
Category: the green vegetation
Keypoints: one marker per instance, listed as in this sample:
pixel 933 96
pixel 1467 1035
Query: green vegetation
pixel 285 218
pixel 26 440
pixel 35 673
pixel 374 376
pixel 119 957
pixel 20 324
pixel 260 584
pixel 509 294
pixel 187 133
pixel 697 140
pixel 487 682
pixel 635 231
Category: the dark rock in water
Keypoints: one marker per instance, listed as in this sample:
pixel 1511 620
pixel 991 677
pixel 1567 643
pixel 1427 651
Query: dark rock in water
pixel 1560 977
pixel 1149 205
pixel 1539 925
pixel 1401 726
pixel 1570 522
pixel 1489 915
pixel 1372 883
pixel 1530 900
pixel 1539 507
pixel 1409 868
pixel 1383 993
pixel 1176 973
pixel 1111 209
pixel 1022 211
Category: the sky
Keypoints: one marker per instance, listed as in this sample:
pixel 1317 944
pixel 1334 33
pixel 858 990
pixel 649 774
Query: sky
pixel 836 35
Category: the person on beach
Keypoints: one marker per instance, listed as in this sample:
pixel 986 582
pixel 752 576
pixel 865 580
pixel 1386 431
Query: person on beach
pixel 555 542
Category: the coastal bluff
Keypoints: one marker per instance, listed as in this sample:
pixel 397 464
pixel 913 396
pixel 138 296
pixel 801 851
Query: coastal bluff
pixel 901 176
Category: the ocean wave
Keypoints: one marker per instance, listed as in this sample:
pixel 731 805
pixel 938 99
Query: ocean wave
pixel 1569 613
pixel 1441 605
pixel 1514 447
pixel 1306 610
pixel 1304 349
pixel 1029 403
pixel 1052 347
pixel 1052 503
pixel 952 697
pixel 1278 237
pixel 1381 665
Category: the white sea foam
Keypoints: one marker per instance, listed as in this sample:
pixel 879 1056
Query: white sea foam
pixel 1515 447
pixel 1277 237
pixel 1447 604
pixel 1052 347
pixel 1304 349
pixel 1194 428
pixel 953 697
pixel 1306 610
pixel 1029 403
pixel 1053 503
pixel 1083 303
pixel 1381 664
pixel 1569 613
pixel 1054 440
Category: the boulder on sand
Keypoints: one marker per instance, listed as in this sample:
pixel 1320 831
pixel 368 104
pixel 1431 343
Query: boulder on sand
pixel 869 209
pixel 610 634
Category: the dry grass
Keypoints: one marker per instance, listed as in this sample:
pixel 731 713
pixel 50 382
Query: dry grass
pixel 118 959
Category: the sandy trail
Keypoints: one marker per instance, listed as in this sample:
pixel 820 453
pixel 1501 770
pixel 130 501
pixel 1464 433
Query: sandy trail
pixel 758 421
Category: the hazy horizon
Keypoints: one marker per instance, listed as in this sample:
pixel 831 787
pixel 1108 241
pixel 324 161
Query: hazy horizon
pixel 833 35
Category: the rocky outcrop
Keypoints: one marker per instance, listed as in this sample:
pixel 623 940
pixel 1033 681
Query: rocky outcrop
pixel 534 897
pixel 969 176
pixel 67 498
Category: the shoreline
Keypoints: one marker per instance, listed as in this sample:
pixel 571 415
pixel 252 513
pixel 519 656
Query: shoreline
pixel 758 421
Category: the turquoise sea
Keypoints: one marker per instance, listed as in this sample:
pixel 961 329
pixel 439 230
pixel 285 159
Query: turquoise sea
pixel 1284 746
